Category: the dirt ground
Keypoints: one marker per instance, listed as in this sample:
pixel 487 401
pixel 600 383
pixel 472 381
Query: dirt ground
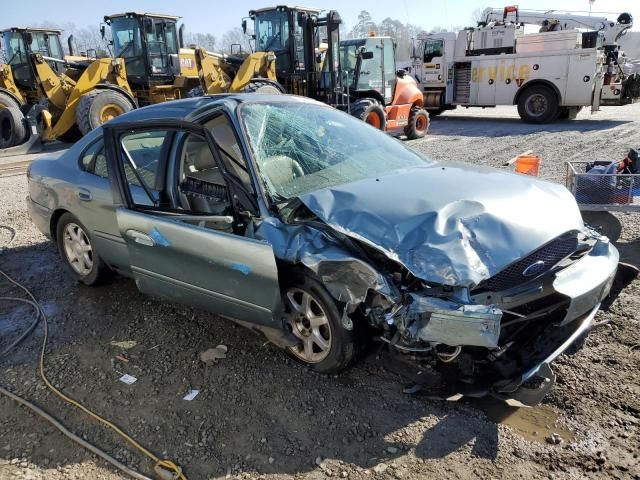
pixel 260 415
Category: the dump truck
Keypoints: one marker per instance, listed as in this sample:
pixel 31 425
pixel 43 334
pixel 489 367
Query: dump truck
pixel 569 62
pixel 358 76
pixel 56 97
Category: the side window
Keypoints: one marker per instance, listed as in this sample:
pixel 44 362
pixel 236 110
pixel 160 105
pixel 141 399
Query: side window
pixel 389 69
pixel 201 184
pixel 227 144
pixel 143 164
pixel 94 160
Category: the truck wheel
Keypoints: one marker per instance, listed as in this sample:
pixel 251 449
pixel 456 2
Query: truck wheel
pixel 312 316
pixel 263 86
pixel 13 130
pixel 370 111
pixel 98 107
pixel 7 101
pixel 538 104
pixel 418 123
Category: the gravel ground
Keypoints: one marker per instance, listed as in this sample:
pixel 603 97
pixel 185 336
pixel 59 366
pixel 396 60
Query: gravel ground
pixel 261 415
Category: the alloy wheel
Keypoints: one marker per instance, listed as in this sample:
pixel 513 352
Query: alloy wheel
pixel 309 323
pixel 77 249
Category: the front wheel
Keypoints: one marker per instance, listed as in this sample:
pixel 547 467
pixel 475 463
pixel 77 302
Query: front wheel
pixel 98 107
pixel 78 251
pixel 313 317
pixel 538 104
pixel 418 124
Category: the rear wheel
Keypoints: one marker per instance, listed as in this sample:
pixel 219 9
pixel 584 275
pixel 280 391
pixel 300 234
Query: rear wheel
pixel 13 129
pixel 263 86
pixel 98 107
pixel 78 251
pixel 538 104
pixel 7 101
pixel 370 111
pixel 418 123
pixel 313 317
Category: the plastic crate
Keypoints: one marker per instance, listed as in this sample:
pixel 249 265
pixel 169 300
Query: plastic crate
pixel 603 192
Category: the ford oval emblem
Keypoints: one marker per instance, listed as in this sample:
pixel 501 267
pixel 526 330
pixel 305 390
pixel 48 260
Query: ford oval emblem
pixel 534 269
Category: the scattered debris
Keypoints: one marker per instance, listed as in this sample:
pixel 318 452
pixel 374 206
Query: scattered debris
pixel 213 354
pixel 193 393
pixel 380 468
pixel 122 358
pixel 124 344
pixel 554 439
pixel 128 379
pixel 392 450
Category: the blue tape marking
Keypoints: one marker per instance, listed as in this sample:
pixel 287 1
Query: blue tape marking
pixel 241 267
pixel 159 238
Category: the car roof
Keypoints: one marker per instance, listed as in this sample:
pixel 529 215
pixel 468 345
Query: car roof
pixel 189 107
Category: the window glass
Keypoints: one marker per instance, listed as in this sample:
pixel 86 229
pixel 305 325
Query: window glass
pixel 201 184
pixel 143 151
pixel 432 49
pixel 227 143
pixel 94 160
pixel 54 46
pixel 302 147
pixel 389 69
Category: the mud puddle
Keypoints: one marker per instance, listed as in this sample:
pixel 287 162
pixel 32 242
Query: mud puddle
pixel 534 424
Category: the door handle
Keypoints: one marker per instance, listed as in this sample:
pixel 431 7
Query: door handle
pixel 84 195
pixel 141 238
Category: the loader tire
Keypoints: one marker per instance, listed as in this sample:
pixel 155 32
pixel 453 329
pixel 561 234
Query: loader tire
pixel 538 104
pixel 370 111
pixel 7 101
pixel 13 129
pixel 418 125
pixel 263 86
pixel 98 107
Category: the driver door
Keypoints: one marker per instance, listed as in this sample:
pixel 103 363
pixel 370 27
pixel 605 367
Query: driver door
pixel 175 253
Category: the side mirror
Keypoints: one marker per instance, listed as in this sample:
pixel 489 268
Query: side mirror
pixel 401 73
pixel 103 31
pixel 244 26
pixel 366 55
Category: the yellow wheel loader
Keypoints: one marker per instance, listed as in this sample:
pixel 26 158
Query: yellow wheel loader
pixel 52 97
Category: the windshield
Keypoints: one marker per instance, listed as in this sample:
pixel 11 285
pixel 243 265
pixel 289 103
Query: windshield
pixel 302 147
pixel 127 44
pixel 272 31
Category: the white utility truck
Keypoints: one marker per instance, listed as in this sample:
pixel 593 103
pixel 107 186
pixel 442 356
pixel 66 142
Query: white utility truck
pixel 569 62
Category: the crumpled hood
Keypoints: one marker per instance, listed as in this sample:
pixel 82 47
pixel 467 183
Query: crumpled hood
pixel 449 223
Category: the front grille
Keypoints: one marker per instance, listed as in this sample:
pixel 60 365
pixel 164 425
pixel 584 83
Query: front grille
pixel 551 254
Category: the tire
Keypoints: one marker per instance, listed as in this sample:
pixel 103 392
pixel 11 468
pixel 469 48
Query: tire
pixel 265 87
pixel 418 125
pixel 329 349
pixel 7 101
pixel 538 104
pixel 71 136
pixel 98 107
pixel 86 267
pixel 370 111
pixel 13 128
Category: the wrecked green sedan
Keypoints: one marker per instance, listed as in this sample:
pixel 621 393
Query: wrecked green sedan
pixel 303 223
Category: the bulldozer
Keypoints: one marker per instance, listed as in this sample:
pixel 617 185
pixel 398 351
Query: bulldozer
pixel 49 96
pixel 358 76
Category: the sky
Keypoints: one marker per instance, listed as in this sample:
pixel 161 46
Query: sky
pixel 216 17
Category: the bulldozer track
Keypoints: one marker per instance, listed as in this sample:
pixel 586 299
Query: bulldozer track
pixel 14 168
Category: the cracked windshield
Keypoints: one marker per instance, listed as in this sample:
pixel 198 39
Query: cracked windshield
pixel 300 148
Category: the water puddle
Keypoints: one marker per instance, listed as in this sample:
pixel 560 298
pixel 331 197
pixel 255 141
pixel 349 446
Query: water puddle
pixel 534 424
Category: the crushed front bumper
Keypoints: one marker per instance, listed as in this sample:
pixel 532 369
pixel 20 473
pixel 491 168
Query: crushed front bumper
pixel 586 283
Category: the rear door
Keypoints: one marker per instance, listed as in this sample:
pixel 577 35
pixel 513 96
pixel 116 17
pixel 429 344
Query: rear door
pixel 192 256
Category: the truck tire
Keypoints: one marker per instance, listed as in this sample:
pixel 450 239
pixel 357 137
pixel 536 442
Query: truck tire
pixel 13 129
pixel 98 107
pixel 7 101
pixel 370 111
pixel 266 87
pixel 418 125
pixel 538 104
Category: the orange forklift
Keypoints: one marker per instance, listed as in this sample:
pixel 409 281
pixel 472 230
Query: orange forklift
pixel 358 76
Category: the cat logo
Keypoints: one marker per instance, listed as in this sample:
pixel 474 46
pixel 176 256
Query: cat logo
pixel 186 62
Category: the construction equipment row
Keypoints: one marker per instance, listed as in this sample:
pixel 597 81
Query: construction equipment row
pixel 573 61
